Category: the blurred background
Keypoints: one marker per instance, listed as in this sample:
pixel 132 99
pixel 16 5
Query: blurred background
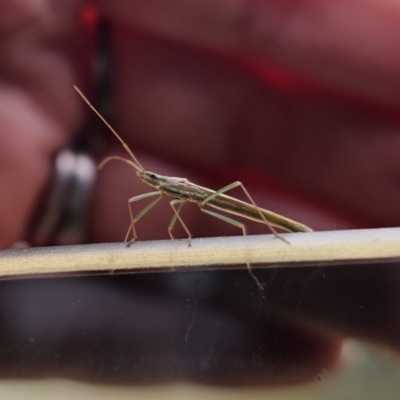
pixel 299 101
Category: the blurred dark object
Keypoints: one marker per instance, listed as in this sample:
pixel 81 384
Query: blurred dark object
pixel 61 217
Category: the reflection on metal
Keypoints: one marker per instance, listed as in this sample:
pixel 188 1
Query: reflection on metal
pixel 264 251
pixel 62 219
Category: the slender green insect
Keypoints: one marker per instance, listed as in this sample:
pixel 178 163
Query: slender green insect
pixel 182 191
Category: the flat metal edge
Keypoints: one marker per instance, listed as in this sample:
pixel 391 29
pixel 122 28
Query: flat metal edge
pixel 310 248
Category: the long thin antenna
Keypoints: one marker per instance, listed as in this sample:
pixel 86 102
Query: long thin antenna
pixel 111 129
pixel 111 158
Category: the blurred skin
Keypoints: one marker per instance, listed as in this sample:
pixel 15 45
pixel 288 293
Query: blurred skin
pixel 187 109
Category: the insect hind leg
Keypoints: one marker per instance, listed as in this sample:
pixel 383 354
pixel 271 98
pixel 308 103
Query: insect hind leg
pixel 240 184
pixel 241 226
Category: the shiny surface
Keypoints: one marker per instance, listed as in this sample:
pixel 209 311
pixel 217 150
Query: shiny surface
pixel 204 327
pixel 311 248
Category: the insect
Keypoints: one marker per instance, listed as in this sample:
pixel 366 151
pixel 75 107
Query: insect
pixel 182 191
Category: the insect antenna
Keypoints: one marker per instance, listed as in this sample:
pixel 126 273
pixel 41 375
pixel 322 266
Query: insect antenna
pixel 125 160
pixel 136 164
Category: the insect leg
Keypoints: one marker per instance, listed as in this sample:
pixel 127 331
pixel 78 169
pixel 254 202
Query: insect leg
pixel 243 228
pixel 140 215
pixel 177 216
pixel 240 184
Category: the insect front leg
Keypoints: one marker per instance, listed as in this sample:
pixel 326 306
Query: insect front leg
pixel 177 216
pixel 140 215
pixel 240 184
pixel 243 228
